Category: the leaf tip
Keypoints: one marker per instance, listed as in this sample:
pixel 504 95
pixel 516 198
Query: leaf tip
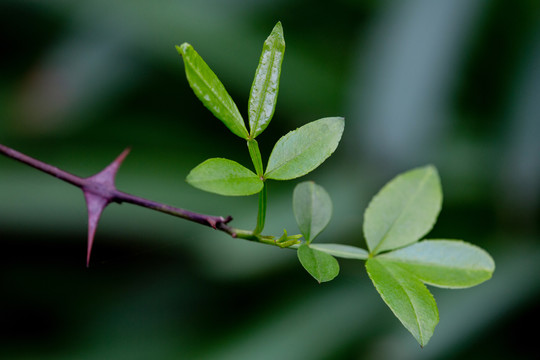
pixel 278 27
pixel 429 169
pixel 182 49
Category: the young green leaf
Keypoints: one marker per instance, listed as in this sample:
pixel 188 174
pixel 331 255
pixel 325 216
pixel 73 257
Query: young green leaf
pixel 444 263
pixel 312 208
pixel 321 266
pixel 404 210
pixel 407 297
pixel 287 240
pixel 302 150
pixel 210 90
pixel 264 91
pixel 342 251
pixel 224 177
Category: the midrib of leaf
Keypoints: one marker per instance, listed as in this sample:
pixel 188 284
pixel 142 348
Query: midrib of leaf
pixel 226 179
pixel 265 88
pixel 211 88
pixel 435 265
pixel 310 211
pixel 409 299
pixel 409 202
pixel 288 160
pixel 312 201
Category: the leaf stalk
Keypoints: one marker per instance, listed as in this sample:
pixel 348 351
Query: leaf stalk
pixel 261 214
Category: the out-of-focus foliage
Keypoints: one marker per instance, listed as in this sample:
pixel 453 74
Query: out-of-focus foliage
pixel 451 83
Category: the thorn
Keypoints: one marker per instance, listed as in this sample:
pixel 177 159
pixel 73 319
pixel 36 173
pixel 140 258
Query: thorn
pixel 95 205
pixel 96 201
pixel 107 175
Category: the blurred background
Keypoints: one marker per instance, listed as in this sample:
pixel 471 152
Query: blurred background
pixel 452 83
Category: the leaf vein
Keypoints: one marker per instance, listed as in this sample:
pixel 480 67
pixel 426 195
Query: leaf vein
pixel 403 212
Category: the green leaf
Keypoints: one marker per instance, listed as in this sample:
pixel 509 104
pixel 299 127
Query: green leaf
pixel 264 91
pixel 321 266
pixel 312 208
pixel 302 150
pixel 407 297
pixel 342 251
pixel 210 91
pixel 404 210
pixel 224 177
pixel 444 263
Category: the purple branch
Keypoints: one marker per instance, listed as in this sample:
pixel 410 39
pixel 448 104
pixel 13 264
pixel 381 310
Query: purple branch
pixel 100 190
pixel 54 171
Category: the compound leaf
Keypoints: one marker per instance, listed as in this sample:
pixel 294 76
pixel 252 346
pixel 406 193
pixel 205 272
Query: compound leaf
pixel 407 297
pixel 265 87
pixel 302 150
pixel 444 263
pixel 312 208
pixel 321 266
pixel 404 210
pixel 210 90
pixel 224 177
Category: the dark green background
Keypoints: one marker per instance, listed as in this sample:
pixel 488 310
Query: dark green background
pixel 452 83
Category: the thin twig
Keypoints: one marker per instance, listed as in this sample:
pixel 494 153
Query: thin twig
pixel 46 168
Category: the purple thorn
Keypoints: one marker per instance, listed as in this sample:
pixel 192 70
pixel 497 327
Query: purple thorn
pixel 95 205
pixel 107 175
pixel 99 190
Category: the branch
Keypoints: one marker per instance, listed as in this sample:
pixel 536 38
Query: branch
pixel 100 190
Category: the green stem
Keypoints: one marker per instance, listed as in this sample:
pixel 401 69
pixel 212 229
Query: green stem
pixel 255 154
pixel 252 236
pixel 290 242
pixel 261 215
